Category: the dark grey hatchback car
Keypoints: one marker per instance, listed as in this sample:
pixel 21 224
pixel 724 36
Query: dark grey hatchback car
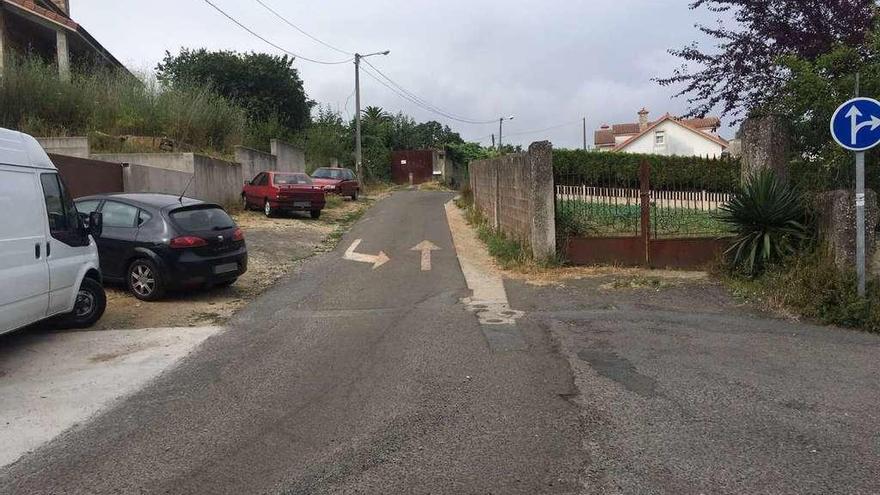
pixel 157 242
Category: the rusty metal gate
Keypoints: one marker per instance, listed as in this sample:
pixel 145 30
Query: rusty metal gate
pixel 86 177
pixel 618 218
pixel 417 165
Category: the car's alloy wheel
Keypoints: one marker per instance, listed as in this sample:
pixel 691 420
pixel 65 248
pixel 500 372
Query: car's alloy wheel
pixel 267 209
pixel 143 280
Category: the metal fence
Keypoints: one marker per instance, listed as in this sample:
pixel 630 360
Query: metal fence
pixel 611 206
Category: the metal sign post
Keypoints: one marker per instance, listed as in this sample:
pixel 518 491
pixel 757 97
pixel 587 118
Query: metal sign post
pixel 856 127
pixel 860 220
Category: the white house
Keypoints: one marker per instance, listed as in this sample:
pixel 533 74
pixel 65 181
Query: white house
pixel 666 136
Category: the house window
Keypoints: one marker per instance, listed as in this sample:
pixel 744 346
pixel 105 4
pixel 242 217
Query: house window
pixel 660 138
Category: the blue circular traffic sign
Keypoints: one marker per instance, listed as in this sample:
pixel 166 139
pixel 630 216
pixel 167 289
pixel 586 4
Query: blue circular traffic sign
pixel 856 124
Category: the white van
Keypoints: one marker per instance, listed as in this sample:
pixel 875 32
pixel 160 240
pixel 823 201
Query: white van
pixel 48 259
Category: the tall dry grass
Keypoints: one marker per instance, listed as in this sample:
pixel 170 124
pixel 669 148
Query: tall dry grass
pixel 35 100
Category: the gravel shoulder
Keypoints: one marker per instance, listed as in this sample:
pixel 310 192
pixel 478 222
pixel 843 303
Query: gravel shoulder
pixel 276 247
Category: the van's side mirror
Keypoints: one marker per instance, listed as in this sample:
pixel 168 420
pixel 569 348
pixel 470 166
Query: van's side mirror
pixel 96 224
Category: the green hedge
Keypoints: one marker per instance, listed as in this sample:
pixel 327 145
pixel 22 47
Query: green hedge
pixel 667 172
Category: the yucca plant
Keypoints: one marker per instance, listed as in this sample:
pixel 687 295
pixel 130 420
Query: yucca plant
pixel 767 217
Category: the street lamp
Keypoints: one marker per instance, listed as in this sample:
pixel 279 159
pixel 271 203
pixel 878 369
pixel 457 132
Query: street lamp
pixel 358 153
pixel 501 128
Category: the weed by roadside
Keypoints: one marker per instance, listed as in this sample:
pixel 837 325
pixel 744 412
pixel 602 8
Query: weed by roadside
pixel 640 282
pixel 809 285
pixel 509 253
pixel 333 201
pixel 433 186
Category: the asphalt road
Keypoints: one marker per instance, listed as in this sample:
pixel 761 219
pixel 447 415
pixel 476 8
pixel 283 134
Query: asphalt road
pixel 340 379
pixel 683 391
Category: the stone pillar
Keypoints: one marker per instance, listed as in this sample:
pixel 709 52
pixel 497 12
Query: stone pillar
pixel 765 145
pixel 62 55
pixel 837 225
pixel 543 201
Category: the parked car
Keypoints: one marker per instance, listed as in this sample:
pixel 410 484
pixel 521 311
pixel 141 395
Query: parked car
pixel 156 242
pixel 341 181
pixel 48 259
pixel 277 192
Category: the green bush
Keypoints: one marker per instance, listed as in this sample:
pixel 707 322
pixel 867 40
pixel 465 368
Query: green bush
pixel 767 217
pixel 667 172
pixel 33 99
pixel 810 285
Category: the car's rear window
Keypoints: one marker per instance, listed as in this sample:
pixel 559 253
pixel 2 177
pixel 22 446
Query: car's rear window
pixel 329 173
pixel 196 219
pixel 284 179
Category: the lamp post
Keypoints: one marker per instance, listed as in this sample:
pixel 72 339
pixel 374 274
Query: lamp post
pixel 358 152
pixel 501 128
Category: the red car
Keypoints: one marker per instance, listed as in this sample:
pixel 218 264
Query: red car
pixel 283 191
pixel 341 181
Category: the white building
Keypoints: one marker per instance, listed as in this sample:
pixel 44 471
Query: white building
pixel 666 136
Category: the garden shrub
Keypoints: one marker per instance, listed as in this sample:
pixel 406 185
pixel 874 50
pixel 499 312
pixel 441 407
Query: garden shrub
pixel 667 172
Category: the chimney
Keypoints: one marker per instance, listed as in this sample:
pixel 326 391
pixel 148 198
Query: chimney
pixel 63 5
pixel 643 119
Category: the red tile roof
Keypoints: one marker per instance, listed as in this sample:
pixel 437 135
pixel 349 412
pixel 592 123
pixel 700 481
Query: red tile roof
pixel 606 136
pixel 43 12
pixel 683 123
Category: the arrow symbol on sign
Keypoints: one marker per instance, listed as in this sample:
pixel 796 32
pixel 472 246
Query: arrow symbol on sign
pixel 425 247
pixel 377 260
pixel 853 114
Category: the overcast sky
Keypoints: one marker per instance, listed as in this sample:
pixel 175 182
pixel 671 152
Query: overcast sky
pixel 547 62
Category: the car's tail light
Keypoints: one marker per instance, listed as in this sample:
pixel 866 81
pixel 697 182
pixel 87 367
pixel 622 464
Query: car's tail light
pixel 238 235
pixel 188 241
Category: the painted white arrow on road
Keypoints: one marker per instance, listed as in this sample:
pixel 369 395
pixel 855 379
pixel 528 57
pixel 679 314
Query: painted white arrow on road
pixel 377 260
pixel 425 247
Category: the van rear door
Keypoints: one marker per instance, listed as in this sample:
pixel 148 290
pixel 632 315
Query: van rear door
pixel 24 271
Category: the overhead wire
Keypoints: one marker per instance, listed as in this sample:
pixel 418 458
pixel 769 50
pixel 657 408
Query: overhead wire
pixel 294 26
pixel 270 43
pixel 424 103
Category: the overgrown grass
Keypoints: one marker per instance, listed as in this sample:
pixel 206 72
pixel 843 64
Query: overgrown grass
pixel 34 100
pixel 333 201
pixel 508 252
pixel 811 286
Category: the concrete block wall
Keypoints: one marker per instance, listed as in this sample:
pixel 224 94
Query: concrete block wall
pixel 253 162
pixel 68 146
pixel 515 192
pixel 213 180
pixel 289 158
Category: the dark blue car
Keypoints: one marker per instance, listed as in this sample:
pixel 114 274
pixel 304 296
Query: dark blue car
pixel 158 242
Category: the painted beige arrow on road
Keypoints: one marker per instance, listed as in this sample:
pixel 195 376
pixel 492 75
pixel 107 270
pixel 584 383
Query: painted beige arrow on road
pixel 425 247
pixel 377 260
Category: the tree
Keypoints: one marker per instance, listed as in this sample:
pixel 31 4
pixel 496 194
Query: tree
pixel 327 138
pixel 267 86
pixel 746 71
pixel 813 91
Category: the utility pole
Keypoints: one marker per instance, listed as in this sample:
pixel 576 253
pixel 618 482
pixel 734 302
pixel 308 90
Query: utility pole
pixel 585 134
pixel 358 151
pixel 501 128
pixel 493 140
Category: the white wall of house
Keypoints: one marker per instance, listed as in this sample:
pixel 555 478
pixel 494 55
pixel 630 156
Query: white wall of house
pixel 670 138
